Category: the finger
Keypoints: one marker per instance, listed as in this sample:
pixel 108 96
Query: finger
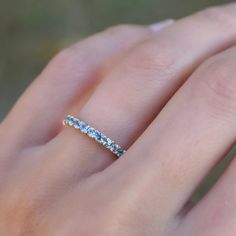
pixel 217 208
pixel 194 130
pixel 65 81
pixel 132 95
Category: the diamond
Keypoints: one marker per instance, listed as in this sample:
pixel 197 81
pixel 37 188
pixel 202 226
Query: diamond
pixel 109 141
pixel 120 152
pixel 98 136
pixel 91 132
pixel 103 140
pixel 94 134
pixel 106 141
pixel 65 122
pixel 76 124
pixel 113 147
pixel 83 127
pixel 69 118
pixel 70 123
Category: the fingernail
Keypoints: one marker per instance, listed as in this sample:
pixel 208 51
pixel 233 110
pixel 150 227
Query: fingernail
pixel 160 25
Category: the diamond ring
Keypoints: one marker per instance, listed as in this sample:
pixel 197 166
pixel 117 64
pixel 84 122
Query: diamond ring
pixel 71 121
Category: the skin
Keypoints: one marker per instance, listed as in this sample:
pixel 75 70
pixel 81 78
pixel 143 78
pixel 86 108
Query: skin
pixel 168 96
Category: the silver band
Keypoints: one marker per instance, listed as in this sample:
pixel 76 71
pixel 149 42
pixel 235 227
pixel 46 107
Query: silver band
pixel 71 121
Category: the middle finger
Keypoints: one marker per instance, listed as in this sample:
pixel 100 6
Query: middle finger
pixel 134 93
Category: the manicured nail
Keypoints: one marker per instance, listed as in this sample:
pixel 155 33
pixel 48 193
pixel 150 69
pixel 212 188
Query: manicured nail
pixel 160 25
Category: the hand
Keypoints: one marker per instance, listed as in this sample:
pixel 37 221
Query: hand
pixel 168 97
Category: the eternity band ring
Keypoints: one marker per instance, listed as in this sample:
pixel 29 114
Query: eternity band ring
pixel 83 127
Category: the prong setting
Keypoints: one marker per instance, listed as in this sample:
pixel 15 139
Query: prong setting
pixel 98 136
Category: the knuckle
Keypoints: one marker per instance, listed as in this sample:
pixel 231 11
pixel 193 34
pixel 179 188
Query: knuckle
pixel 61 59
pixel 124 29
pixel 151 59
pixel 65 56
pixel 219 77
pixel 68 59
pixel 127 33
pixel 118 28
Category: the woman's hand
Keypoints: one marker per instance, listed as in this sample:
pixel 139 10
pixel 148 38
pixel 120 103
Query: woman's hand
pixel 168 97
